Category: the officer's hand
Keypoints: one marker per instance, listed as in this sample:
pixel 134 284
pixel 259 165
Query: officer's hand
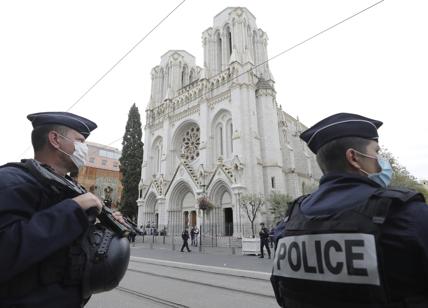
pixel 118 216
pixel 88 200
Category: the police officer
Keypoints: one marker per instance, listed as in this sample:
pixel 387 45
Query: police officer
pixel 264 240
pixel 37 227
pixel 354 242
pixel 185 237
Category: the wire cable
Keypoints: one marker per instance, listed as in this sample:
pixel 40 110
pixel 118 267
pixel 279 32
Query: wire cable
pixel 116 64
pixel 124 56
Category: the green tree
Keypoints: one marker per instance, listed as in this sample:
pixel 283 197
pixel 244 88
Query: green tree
pixel 130 163
pixel 251 204
pixel 279 204
pixel 401 177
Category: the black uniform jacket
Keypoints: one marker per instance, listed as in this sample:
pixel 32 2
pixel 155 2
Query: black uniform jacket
pixel 34 224
pixel 404 233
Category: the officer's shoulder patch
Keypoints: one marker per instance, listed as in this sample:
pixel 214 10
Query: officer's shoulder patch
pixel 401 194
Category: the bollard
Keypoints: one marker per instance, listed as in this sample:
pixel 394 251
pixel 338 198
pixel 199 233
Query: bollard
pixel 233 251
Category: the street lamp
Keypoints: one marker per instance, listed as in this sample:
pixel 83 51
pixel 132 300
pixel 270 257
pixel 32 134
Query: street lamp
pixel 202 204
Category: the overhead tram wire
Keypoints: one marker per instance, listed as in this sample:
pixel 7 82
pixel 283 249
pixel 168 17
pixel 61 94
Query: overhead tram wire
pixel 124 56
pixel 278 55
pixel 117 63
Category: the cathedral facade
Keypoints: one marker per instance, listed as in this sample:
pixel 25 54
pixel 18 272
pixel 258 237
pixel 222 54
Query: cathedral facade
pixel 218 132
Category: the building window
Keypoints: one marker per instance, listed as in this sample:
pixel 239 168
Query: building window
pixel 231 138
pixel 218 58
pixel 115 164
pixel 221 140
pixel 272 180
pixel 229 41
pixel 104 162
pixel 92 160
pixel 109 154
pixel 190 143
pixel 158 158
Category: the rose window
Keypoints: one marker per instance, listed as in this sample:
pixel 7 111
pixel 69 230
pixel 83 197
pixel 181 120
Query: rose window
pixel 191 142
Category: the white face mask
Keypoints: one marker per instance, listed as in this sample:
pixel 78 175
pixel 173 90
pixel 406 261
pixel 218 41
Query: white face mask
pixel 80 153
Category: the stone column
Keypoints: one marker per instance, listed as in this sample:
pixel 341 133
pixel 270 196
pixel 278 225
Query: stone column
pixel 163 215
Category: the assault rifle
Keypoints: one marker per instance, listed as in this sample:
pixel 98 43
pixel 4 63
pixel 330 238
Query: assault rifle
pixel 68 187
pixel 133 225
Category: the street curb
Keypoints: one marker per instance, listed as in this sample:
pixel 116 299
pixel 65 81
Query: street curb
pixel 205 268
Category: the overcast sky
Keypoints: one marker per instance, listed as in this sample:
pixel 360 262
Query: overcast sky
pixel 375 64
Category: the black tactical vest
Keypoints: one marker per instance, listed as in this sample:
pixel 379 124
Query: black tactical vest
pixel 95 262
pixel 336 260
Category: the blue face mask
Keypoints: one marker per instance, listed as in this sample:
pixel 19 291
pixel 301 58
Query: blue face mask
pixel 384 176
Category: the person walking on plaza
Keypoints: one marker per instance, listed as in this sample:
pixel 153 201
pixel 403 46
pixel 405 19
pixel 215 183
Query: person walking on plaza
pixel 192 236
pixel 185 237
pixel 355 241
pixel 195 237
pixel 264 240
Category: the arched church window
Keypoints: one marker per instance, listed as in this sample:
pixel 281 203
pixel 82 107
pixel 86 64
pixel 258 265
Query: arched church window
pixel 191 76
pixel 219 140
pixel 230 138
pixel 255 57
pixel 158 158
pixel 190 143
pixel 229 42
pixel 183 76
pixel 218 51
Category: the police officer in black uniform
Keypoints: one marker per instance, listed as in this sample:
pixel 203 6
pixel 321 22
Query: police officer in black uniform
pixel 354 242
pixel 264 240
pixel 38 227
pixel 185 237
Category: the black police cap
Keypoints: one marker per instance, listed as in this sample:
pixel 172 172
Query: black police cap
pixel 338 126
pixel 78 123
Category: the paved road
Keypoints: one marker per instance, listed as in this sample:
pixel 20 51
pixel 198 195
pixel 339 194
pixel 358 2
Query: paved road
pixel 214 256
pixel 162 277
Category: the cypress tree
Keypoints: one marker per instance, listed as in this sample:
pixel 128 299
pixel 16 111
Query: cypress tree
pixel 130 163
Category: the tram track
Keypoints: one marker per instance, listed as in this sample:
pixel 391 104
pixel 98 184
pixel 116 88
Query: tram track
pixel 253 275
pixel 203 283
pixel 151 298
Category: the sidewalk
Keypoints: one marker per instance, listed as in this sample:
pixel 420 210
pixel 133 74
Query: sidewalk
pixel 157 243
pixel 226 257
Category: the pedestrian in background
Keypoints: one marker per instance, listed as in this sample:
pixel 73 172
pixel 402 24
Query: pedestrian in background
pixel 196 235
pixel 192 236
pixel 185 237
pixel 264 240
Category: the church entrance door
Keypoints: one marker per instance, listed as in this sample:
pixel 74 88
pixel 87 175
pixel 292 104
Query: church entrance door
pixel 228 221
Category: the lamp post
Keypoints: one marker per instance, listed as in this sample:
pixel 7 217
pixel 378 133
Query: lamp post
pixel 202 204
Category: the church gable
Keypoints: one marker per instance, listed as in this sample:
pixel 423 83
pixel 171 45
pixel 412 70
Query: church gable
pixel 186 174
pixel 153 188
pixel 222 172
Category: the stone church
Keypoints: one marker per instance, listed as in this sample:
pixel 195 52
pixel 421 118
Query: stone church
pixel 219 132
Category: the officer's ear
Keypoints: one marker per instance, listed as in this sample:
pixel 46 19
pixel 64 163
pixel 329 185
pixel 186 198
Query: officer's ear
pixel 53 139
pixel 353 159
